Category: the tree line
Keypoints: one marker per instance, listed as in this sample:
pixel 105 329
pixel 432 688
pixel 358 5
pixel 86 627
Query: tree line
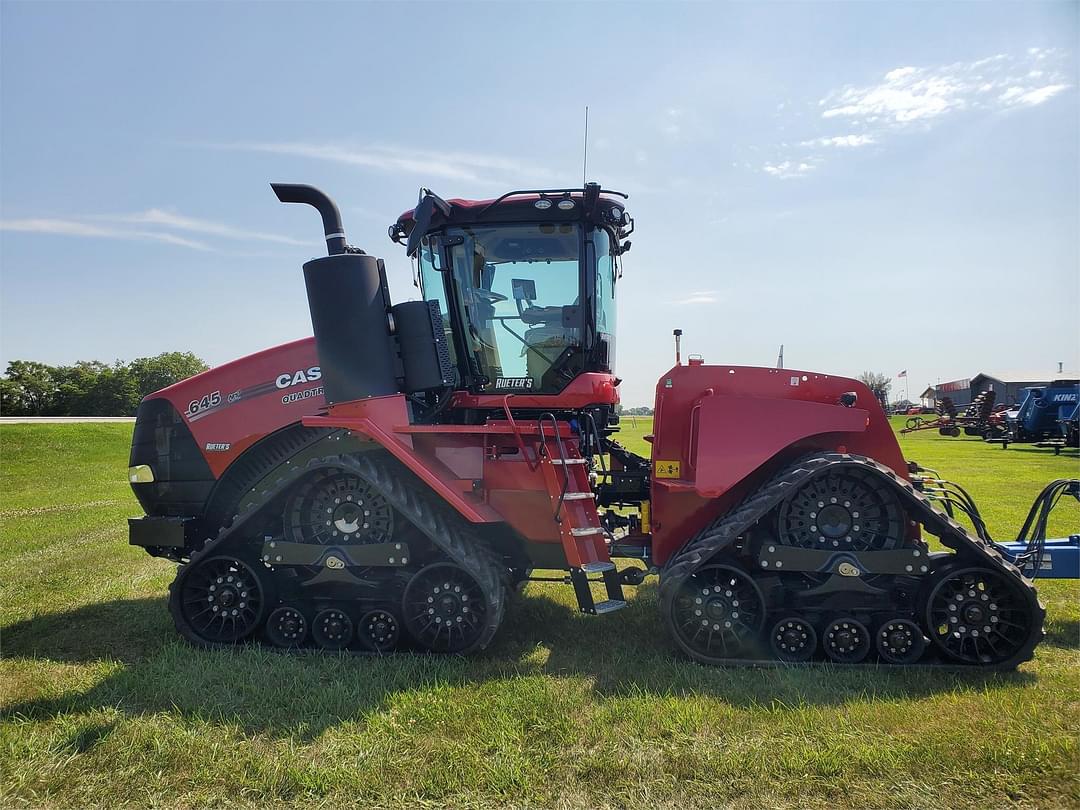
pixel 90 388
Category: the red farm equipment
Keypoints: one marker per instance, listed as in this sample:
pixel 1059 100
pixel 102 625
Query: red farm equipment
pixel 387 485
pixel 974 420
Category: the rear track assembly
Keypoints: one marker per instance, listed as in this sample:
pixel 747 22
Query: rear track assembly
pixel 847 605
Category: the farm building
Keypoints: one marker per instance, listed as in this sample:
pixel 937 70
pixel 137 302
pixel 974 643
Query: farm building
pixel 1006 386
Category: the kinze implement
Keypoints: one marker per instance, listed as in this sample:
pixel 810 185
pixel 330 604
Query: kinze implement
pixel 387 484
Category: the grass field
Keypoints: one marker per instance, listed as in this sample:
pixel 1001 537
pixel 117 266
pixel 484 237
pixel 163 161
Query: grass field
pixel 101 704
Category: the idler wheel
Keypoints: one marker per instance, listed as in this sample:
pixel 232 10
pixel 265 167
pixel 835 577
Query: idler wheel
pixel 332 629
pixel 846 641
pixel 718 614
pixel 286 627
pixel 444 608
pixel 220 601
pixel 793 639
pixel 979 616
pixel 379 631
pixel 900 641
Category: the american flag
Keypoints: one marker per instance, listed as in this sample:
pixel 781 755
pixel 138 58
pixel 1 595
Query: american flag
pixel 902 373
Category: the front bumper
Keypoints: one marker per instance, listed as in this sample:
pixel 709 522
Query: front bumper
pixel 162 532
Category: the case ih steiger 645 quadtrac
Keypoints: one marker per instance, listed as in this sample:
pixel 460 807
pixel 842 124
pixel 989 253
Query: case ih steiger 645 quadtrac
pixel 387 484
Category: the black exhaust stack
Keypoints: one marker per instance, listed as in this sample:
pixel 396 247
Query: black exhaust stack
pixel 350 307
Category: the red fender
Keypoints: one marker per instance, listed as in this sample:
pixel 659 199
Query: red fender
pixel 734 436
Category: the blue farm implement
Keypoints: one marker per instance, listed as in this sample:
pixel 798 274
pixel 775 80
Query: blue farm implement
pixel 1047 417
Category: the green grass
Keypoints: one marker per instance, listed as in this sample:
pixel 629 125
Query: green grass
pixel 101 705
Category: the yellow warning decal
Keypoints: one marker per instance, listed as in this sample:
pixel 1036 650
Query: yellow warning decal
pixel 668 469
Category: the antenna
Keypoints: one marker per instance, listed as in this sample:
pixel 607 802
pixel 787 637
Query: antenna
pixel 585 158
pixel 780 357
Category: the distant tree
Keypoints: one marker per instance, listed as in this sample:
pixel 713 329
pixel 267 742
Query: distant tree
pixel 878 383
pixel 154 373
pixel 91 388
pixel 641 410
pixel 29 389
pixel 75 388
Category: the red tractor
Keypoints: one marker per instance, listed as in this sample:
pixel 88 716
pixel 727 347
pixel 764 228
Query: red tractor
pixel 388 484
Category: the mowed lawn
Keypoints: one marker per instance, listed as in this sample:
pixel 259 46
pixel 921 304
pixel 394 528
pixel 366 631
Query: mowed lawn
pixel 101 705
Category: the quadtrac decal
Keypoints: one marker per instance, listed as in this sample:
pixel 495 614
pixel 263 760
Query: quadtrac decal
pixel 514 383
pixel 212 403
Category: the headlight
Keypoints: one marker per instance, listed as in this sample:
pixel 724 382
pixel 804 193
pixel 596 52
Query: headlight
pixel 141 474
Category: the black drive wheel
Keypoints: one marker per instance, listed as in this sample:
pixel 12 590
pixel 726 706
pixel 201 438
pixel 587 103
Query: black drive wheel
pixel 333 506
pixel 445 610
pixel 378 630
pixel 846 641
pixel 848 509
pixel 286 627
pixel 793 639
pixel 717 614
pixel 220 600
pixel 332 629
pixel 900 641
pixel 981 616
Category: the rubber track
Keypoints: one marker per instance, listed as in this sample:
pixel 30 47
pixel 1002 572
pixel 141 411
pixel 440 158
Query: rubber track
pixel 722 533
pixel 446 530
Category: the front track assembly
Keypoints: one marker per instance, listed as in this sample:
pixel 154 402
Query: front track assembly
pixel 342 552
pixel 821 565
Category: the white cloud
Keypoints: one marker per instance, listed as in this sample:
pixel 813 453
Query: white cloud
pixel 842 140
pixel 788 168
pixel 67 227
pixel 913 97
pixel 167 219
pixel 698 297
pixel 460 166
pixel 1017 95
pixel 907 95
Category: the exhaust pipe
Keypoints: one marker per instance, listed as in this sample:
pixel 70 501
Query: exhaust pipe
pixel 331 217
pixel 349 302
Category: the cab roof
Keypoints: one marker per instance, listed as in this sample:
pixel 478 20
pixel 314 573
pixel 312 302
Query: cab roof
pixel 562 205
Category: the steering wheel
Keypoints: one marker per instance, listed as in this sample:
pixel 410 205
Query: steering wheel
pixel 488 295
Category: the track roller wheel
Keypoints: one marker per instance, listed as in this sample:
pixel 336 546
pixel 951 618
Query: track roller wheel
pixel 717 614
pixel 378 631
pixel 286 627
pixel 846 641
pixel 793 639
pixel 900 641
pixel 332 629
pixel 444 609
pixel 219 600
pixel 980 616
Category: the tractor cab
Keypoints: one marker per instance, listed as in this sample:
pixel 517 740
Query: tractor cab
pixel 525 283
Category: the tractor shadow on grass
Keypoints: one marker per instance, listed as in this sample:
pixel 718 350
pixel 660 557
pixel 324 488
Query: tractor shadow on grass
pixel 301 696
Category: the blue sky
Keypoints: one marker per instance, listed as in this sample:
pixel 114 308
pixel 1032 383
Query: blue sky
pixel 875 185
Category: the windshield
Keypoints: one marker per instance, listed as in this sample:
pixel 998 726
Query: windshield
pixel 518 285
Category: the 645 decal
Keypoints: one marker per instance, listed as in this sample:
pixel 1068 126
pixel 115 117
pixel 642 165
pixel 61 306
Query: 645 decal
pixel 206 402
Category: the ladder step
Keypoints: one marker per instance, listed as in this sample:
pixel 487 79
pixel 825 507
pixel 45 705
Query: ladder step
pixel 586 532
pixel 597 567
pixel 567 461
pixel 609 606
pixel 578 496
